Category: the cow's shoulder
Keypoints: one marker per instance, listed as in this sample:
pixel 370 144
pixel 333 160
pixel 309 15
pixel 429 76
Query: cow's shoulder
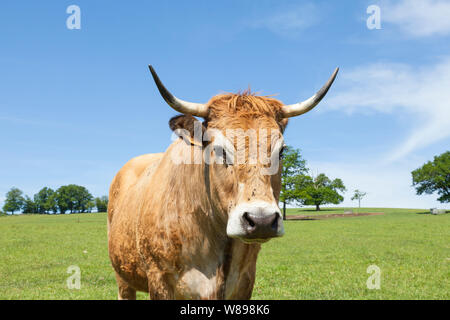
pixel 129 175
pixel 136 166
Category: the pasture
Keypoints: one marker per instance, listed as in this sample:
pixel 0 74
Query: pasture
pixel 316 259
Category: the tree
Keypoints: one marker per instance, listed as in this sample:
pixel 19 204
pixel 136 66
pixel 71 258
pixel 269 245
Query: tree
pixel 434 176
pixel 73 198
pixel 45 200
pixel 90 205
pixel 321 190
pixel 82 198
pixel 29 206
pixel 101 203
pixel 14 200
pixel 63 199
pixel 291 176
pixel 359 195
pixel 51 204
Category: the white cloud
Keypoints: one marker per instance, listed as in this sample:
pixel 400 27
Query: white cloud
pixel 423 93
pixel 289 22
pixel 418 18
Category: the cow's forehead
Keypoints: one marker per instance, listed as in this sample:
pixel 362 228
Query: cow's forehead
pixel 245 105
pixel 259 125
pixel 244 111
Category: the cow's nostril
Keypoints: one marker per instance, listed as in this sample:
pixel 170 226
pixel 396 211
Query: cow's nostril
pixel 250 222
pixel 274 224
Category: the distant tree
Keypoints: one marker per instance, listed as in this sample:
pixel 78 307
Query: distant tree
pixel 14 200
pixel 29 206
pixel 291 176
pixel 51 204
pixel 321 190
pixel 45 200
pixel 101 203
pixel 82 198
pixel 63 199
pixel 90 206
pixel 73 198
pixel 434 176
pixel 359 195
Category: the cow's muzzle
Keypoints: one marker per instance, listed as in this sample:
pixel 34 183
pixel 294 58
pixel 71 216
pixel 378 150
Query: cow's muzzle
pixel 255 222
pixel 261 227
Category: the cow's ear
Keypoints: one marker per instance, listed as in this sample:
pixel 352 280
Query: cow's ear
pixel 188 128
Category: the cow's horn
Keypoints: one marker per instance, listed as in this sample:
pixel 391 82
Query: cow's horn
pixel 304 106
pixel 195 109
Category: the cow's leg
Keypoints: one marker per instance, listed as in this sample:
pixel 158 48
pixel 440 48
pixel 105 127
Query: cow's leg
pixel 125 291
pixel 159 287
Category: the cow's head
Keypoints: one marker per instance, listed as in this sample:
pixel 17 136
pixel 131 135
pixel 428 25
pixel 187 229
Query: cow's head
pixel 242 144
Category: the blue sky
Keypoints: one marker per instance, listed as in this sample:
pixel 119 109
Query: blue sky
pixel 75 105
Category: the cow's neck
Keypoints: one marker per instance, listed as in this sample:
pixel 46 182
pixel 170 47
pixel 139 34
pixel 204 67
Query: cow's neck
pixel 239 269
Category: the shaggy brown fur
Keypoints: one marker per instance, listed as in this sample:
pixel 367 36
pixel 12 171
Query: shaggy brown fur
pixel 233 110
pixel 167 223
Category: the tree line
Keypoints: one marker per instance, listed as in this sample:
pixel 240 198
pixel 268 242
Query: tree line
pixel 70 198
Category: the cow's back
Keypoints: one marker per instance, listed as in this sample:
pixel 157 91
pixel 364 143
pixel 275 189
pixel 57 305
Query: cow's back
pixel 125 195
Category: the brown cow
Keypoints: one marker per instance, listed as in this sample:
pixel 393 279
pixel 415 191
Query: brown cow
pixel 193 229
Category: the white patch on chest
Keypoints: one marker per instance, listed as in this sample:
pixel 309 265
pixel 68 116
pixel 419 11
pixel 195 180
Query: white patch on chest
pixel 197 285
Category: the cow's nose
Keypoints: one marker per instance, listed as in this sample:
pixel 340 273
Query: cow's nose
pixel 261 226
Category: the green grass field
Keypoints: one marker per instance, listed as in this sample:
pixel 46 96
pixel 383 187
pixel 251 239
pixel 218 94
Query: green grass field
pixel 316 259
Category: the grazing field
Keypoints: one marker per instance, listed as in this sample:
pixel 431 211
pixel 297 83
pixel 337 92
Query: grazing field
pixel 316 259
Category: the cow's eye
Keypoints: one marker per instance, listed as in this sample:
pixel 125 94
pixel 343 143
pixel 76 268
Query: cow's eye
pixel 220 152
pixel 282 151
